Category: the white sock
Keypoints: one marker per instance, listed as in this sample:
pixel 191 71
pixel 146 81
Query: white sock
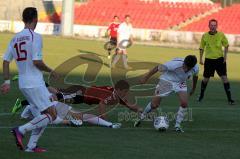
pixel 35 135
pixel 37 122
pixel 146 110
pixel 93 119
pixel 180 116
pixel 58 120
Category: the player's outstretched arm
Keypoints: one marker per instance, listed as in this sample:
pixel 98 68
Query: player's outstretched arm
pixel 194 84
pixel 134 107
pixel 5 87
pixel 145 78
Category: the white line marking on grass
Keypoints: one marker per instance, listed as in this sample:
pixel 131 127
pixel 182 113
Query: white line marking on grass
pixel 7 114
pixel 131 128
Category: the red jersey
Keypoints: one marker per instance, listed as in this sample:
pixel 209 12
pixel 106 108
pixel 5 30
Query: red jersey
pixel 113 27
pixel 95 95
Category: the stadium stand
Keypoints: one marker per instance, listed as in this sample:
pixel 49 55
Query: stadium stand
pixel 226 24
pixel 145 14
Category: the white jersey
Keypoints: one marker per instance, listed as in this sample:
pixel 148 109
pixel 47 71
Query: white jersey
pixel 175 73
pixel 25 47
pixel 125 31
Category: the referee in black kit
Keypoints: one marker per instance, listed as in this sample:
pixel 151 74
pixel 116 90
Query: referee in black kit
pixel 215 58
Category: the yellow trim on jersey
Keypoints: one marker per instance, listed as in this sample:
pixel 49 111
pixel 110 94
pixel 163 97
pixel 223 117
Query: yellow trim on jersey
pixel 212 45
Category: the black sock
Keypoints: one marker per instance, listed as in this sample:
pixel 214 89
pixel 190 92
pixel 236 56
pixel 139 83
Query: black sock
pixel 228 91
pixel 78 99
pixel 59 96
pixel 203 87
pixel 24 103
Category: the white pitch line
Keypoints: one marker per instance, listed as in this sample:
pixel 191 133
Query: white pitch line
pixel 7 114
pixel 163 109
pixel 131 128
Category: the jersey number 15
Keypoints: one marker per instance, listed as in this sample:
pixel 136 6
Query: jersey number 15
pixel 21 53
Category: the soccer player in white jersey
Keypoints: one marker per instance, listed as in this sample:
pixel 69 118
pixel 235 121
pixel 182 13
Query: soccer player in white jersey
pixel 26 49
pixel 173 79
pixel 124 36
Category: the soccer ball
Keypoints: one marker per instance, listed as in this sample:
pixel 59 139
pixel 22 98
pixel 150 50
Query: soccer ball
pixel 161 123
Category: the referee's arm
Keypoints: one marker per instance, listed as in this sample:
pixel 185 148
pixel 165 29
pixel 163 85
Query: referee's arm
pixel 201 56
pixel 225 54
pixel 201 50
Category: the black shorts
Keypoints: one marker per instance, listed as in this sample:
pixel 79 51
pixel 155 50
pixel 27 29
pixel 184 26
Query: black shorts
pixel 212 65
pixel 113 41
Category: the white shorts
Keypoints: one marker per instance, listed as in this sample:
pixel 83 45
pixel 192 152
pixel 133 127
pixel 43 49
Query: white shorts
pixel 62 109
pixel 38 97
pixel 123 45
pixel 165 88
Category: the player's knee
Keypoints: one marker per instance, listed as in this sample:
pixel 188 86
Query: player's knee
pixel 52 112
pixel 154 105
pixel 205 80
pixel 224 79
pixel 184 104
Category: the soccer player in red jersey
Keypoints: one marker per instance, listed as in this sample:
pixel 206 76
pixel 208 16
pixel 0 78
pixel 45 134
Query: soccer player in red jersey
pixel 112 32
pixel 102 95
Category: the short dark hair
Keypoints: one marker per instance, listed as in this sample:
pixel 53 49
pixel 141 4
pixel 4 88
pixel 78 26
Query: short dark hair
pixel 122 84
pixel 190 61
pixel 115 16
pixel 29 14
pixel 212 20
pixel 126 16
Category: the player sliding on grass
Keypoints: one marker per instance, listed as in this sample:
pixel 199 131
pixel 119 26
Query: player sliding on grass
pixel 104 96
pixel 69 116
pixel 173 79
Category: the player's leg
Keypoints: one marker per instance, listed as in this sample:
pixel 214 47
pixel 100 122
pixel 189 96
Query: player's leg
pixel 29 113
pixel 113 42
pixel 153 104
pixel 163 89
pixel 209 69
pixel 40 98
pixel 125 59
pixel 221 70
pixel 32 143
pixel 227 89
pixel 183 98
pixel 19 104
pixel 116 57
pixel 93 119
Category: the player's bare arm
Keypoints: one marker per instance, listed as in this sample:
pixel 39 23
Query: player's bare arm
pixel 194 84
pixel 43 67
pixel 5 87
pixel 201 56
pixel 225 53
pixel 159 68
pixel 134 107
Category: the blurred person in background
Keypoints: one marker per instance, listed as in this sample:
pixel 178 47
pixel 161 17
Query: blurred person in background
pixel 124 39
pixel 112 32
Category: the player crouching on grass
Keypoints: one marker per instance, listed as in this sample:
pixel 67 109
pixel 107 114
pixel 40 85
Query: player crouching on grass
pixel 173 79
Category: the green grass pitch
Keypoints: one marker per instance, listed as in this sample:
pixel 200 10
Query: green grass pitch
pixel 212 130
